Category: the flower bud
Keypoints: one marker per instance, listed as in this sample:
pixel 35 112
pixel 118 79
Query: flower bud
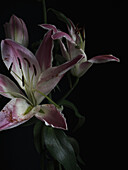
pixel 16 30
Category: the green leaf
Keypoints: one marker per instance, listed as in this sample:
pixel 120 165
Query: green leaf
pixel 60 16
pixel 76 148
pixel 37 136
pixel 77 114
pixel 60 148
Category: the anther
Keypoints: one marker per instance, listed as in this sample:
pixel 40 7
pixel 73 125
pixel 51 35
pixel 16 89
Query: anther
pixel 27 62
pixel 19 63
pixel 35 72
pixel 10 68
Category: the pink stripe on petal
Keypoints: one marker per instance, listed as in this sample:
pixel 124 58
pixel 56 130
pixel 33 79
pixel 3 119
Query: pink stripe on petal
pixel 44 52
pixel 16 56
pixel 50 78
pixel 52 116
pixel 103 59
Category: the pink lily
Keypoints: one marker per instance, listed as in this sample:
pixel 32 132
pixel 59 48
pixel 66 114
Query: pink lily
pixel 76 47
pixel 16 30
pixel 36 78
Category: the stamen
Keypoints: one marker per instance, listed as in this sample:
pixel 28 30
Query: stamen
pixel 77 30
pixel 23 80
pixel 50 100
pixel 35 72
pixel 19 62
pixel 10 68
pixel 27 62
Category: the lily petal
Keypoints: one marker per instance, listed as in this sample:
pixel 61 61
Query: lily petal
pixel 60 35
pixel 8 88
pixel 80 69
pixel 52 116
pixel 49 27
pixel 16 30
pixel 64 51
pixel 44 52
pixel 12 114
pixel 50 78
pixel 20 61
pixel 103 59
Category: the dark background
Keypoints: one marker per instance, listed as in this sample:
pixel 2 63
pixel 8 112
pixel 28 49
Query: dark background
pixel 101 93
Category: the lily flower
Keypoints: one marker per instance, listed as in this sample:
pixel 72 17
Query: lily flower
pixel 16 30
pixel 76 46
pixel 36 78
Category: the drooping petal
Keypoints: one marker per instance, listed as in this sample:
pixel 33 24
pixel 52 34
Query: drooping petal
pixel 103 59
pixel 52 116
pixel 44 53
pixel 8 88
pixel 81 68
pixel 50 78
pixel 60 35
pixel 20 61
pixel 12 114
pixel 49 27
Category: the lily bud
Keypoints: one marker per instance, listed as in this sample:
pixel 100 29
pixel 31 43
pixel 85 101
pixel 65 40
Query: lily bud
pixel 16 30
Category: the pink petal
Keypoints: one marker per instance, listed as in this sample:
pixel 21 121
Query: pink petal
pixel 44 53
pixel 81 69
pixel 12 114
pixel 8 88
pixel 52 116
pixel 49 27
pixel 16 30
pixel 60 35
pixel 64 51
pixel 103 59
pixel 50 78
pixel 15 56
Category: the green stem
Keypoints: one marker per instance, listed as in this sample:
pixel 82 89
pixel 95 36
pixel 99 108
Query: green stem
pixel 60 168
pixel 44 11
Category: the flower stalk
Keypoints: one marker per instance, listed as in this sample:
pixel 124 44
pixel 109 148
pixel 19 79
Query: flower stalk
pixel 44 12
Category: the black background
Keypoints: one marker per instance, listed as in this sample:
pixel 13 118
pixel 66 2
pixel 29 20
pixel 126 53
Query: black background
pixel 101 93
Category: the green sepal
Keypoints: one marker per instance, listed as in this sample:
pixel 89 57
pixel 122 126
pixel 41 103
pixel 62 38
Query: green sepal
pixel 59 147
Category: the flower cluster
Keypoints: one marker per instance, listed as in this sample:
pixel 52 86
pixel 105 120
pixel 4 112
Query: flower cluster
pixel 35 74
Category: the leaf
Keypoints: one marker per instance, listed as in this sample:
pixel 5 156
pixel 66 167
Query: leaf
pixel 60 16
pixel 77 114
pixel 76 148
pixel 60 148
pixel 37 136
